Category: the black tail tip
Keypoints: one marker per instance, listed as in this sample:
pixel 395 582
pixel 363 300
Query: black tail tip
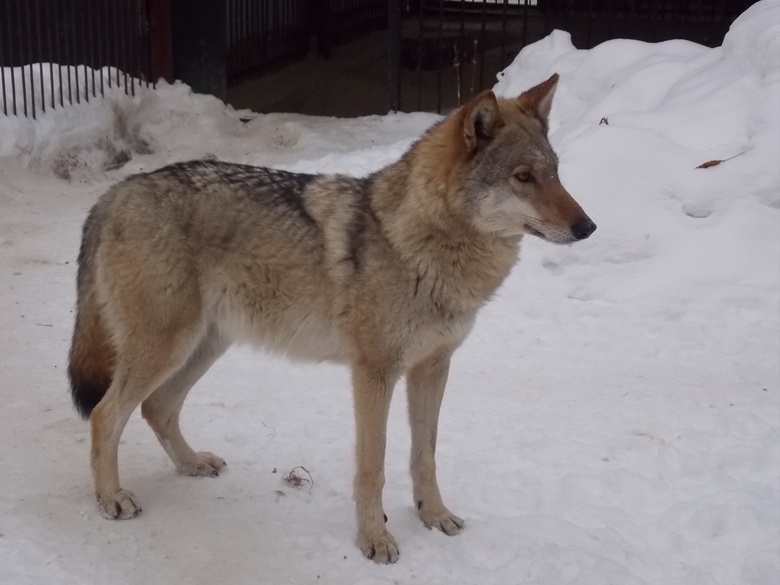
pixel 86 393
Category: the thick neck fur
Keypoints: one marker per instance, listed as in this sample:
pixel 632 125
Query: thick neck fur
pixel 415 200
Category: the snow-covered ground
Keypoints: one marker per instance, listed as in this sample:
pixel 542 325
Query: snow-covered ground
pixel 614 419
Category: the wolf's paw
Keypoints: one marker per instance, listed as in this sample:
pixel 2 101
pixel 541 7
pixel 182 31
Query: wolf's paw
pixel 440 518
pixel 202 465
pixel 120 505
pixel 380 549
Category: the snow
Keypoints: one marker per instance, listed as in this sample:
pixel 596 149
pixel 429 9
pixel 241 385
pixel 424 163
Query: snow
pixel 614 418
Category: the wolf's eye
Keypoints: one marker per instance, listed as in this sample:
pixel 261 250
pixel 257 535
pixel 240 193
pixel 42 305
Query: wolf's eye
pixel 524 177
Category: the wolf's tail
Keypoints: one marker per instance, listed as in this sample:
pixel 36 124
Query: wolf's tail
pixel 92 356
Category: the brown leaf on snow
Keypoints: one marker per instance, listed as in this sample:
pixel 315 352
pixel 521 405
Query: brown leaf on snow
pixel 712 163
pixel 709 163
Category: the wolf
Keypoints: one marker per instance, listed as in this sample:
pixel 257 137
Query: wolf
pixel 384 274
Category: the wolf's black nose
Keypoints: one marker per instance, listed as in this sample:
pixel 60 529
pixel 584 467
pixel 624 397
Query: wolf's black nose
pixel 583 228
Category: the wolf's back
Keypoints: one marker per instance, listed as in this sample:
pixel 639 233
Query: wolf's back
pixel 91 357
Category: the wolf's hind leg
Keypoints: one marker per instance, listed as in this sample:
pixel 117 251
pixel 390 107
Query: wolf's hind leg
pixel 137 374
pixel 162 409
pixel 425 384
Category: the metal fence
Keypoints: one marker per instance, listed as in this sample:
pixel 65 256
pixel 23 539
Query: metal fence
pixel 264 35
pixel 452 49
pixel 436 53
pixel 54 52
pixel 593 21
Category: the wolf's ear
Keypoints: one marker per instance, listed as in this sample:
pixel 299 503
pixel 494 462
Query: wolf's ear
pixel 480 119
pixel 537 101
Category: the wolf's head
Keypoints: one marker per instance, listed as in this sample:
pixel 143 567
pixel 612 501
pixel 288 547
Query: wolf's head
pixel 504 174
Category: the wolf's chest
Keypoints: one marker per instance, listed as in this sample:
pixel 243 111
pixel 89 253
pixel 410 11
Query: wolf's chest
pixel 431 337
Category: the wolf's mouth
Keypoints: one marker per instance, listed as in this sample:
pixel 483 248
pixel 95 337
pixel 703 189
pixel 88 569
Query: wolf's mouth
pixel 534 232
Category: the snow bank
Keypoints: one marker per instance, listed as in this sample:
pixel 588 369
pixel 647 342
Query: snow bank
pixel 637 121
pixel 82 141
pixel 753 42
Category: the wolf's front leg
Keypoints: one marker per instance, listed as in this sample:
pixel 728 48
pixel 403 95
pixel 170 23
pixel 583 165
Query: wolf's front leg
pixel 425 384
pixel 373 389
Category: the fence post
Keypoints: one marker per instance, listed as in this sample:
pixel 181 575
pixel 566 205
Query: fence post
pixel 158 19
pixel 394 54
pixel 200 45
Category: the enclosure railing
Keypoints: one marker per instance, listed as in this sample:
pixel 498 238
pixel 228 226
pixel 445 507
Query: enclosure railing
pixel 263 35
pixel 439 52
pixel 452 49
pixel 54 53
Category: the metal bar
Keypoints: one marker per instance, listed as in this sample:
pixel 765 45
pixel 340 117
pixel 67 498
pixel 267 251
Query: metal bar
pixel 503 33
pixel 31 61
pixel 68 56
pixel 394 53
pixel 60 57
pixel 3 59
pixel 77 59
pixel 244 54
pixel 525 25
pixel 11 69
pixel 116 25
pixel 439 49
pixel 271 29
pixel 264 30
pixel 482 46
pixel 656 32
pixel 285 44
pixel 92 62
pixel 245 33
pixel 419 53
pixel 135 50
pixel 146 39
pixel 250 34
pixel 246 24
pixel 124 24
pixel 240 21
pixel 229 37
pixel 288 26
pixel 284 33
pixel 21 69
pixel 548 17
pixel 107 35
pixel 101 57
pixel 237 42
pixel 275 30
pixel 119 31
pixel 40 54
pixel 52 55
pixel 461 43
pixel 84 50
pixel 589 18
pixel 612 18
